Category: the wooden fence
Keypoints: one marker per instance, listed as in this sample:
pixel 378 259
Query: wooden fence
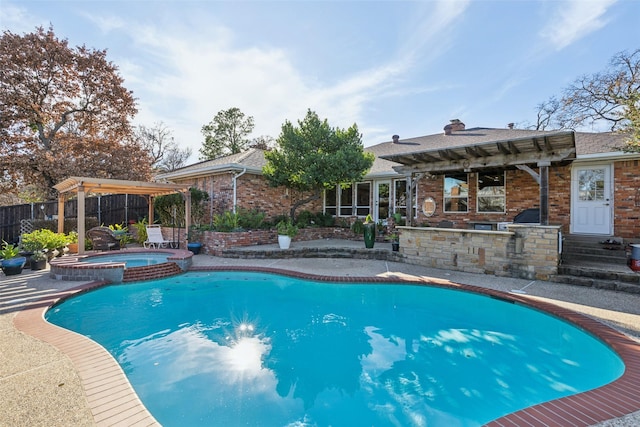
pixel 107 210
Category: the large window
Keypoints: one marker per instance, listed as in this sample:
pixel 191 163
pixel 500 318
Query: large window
pixel 346 201
pixel 491 192
pixel 340 201
pixel 363 198
pixel 330 201
pixel 456 193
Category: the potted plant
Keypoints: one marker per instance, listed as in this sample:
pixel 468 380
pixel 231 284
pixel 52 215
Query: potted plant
pixel 395 242
pixel 72 238
pixel 369 227
pixel 192 244
pixel 38 261
pixel 45 239
pixel 286 231
pixel 12 263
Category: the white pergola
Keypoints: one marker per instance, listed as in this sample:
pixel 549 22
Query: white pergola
pixel 82 187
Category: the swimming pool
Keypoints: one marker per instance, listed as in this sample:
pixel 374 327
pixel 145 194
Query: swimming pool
pixel 340 354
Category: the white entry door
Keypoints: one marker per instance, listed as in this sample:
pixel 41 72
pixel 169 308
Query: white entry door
pixel 592 202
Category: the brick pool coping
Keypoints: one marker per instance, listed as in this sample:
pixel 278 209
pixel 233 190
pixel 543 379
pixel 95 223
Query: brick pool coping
pixel 112 399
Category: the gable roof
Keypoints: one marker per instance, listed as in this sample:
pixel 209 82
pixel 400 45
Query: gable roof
pixel 252 160
pixel 479 148
pixel 474 143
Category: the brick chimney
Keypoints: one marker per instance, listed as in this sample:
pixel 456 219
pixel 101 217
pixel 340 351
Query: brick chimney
pixel 395 138
pixel 455 126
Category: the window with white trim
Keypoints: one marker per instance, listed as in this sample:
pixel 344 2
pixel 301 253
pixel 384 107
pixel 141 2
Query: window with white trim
pixel 346 201
pixel 456 193
pixel 363 198
pixel 330 201
pixel 491 192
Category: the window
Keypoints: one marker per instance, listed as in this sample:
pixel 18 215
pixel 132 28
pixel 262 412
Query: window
pixel 330 197
pixel 400 196
pixel 456 193
pixel 363 197
pixel 491 192
pixel 346 201
pixel 340 201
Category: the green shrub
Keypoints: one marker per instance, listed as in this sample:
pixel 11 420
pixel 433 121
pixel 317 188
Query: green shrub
pixel 226 222
pixel 44 239
pixel 250 219
pixel 357 227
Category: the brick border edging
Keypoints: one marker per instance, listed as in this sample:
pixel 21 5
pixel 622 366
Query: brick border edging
pixel 100 382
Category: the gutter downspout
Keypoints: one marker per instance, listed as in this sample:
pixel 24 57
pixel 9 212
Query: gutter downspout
pixel 235 187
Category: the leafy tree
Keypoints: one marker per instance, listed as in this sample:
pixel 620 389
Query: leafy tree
pixel 63 111
pixel 226 134
pixel 314 156
pixel 165 153
pixel 611 97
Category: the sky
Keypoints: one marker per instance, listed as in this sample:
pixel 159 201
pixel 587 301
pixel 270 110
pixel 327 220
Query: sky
pixel 391 67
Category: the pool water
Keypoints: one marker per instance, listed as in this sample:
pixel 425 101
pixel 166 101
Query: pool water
pixel 241 348
pixel 132 259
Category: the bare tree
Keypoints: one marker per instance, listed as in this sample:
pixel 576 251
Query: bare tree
pixel 159 142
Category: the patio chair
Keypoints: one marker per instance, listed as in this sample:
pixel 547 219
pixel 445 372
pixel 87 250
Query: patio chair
pixel 155 238
pixel 103 239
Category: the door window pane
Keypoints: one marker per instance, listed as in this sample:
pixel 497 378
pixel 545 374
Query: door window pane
pixel 591 185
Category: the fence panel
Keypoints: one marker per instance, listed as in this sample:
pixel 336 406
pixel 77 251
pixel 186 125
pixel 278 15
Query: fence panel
pixel 109 209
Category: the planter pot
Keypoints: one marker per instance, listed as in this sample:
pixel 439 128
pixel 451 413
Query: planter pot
pixel 194 247
pixel 13 266
pixel 369 234
pixel 40 264
pixel 73 248
pixel 284 241
pixel 395 246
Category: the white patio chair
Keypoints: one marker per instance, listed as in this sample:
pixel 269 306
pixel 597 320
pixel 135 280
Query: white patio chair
pixel 154 238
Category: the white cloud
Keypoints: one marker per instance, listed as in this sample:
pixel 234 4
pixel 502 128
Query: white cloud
pixel 574 20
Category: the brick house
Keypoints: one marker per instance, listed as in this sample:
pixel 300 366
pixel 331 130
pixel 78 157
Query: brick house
pixel 474 178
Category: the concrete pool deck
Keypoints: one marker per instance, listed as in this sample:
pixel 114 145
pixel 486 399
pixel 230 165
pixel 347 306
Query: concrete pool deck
pixel 39 385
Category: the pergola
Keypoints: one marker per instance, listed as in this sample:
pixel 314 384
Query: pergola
pixel 82 186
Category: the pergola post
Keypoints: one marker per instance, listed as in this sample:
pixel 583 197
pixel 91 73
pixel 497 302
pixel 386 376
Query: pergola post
pixel 409 197
pixel 81 224
pixel 60 213
pixel 151 218
pixel 187 212
pixel 544 192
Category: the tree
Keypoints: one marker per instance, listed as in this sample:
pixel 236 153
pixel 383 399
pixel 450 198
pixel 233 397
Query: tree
pixel 263 142
pixel 63 112
pixel 226 134
pixel 611 97
pixel 166 155
pixel 314 156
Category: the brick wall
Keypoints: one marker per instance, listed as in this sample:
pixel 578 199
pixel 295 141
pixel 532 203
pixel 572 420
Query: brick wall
pixel 529 252
pixel 253 192
pixel 626 215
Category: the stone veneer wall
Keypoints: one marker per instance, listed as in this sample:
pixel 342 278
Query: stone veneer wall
pixel 524 251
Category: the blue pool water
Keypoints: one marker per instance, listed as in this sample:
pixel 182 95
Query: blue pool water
pixel 132 259
pixel 240 348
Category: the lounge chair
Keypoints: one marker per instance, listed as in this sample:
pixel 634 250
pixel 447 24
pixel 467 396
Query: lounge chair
pixel 103 239
pixel 154 238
